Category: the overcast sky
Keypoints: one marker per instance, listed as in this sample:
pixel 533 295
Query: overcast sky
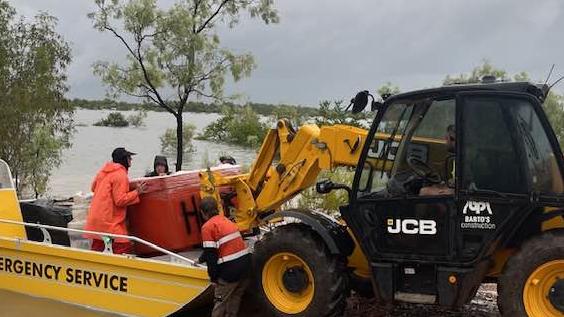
pixel 329 49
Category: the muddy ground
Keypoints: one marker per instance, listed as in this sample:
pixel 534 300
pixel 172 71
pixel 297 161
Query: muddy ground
pixel 483 305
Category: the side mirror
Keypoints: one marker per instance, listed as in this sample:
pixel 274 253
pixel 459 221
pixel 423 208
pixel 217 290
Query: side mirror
pixel 360 101
pixel 326 186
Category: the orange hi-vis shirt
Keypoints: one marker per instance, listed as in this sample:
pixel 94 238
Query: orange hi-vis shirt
pixel 222 234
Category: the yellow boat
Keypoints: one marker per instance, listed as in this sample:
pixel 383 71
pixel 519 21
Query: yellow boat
pixel 122 284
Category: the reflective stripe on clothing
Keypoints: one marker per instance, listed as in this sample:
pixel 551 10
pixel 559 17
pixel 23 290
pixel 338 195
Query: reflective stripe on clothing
pixel 227 238
pixel 222 234
pixel 233 256
pixel 210 244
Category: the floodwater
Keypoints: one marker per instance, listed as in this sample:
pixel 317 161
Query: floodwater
pixel 18 305
pixel 92 146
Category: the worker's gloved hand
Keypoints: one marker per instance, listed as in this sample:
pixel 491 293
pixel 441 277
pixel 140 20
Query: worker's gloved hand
pixel 142 188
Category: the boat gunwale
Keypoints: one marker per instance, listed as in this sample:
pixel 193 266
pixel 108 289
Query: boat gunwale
pixel 131 261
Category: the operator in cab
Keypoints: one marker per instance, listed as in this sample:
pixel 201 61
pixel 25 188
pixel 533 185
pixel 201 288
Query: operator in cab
pixel 227 257
pixel 107 211
pixel 444 188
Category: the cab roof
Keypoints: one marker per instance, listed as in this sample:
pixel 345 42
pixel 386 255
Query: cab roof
pixel 537 90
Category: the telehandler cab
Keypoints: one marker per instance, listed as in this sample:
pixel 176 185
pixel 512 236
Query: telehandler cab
pixel 454 186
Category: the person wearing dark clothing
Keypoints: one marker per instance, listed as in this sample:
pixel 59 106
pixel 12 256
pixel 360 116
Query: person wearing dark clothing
pixel 227 258
pixel 446 188
pixel 160 167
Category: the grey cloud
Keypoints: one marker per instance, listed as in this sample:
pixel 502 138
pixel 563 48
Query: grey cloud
pixel 328 49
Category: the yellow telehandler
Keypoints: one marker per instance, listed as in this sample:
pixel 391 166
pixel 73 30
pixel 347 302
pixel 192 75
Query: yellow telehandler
pixel 454 186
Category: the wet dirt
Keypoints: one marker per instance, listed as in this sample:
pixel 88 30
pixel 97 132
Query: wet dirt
pixel 483 305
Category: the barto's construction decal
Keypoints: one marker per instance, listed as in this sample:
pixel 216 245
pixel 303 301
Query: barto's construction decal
pixel 477 215
pixel 68 275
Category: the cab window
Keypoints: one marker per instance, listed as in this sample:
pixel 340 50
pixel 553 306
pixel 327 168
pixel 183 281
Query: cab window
pixel 543 173
pixel 491 156
pixel 383 148
pixel 439 117
pixel 409 154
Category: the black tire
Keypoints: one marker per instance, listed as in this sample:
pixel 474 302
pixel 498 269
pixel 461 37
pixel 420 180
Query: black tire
pixel 535 252
pixel 361 285
pixel 329 271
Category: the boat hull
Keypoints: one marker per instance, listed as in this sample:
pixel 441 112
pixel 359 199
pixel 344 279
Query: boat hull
pixel 107 282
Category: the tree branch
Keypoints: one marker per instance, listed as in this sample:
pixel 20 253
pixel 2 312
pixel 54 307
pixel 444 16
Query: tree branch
pixel 201 93
pixel 196 4
pixel 146 36
pixel 108 28
pixel 152 87
pixel 205 24
pixel 139 58
pixel 207 76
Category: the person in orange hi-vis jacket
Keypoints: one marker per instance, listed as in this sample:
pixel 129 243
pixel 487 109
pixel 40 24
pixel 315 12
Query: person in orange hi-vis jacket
pixel 107 211
pixel 227 257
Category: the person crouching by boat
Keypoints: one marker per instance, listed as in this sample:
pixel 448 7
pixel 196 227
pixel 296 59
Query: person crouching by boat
pixel 107 211
pixel 160 167
pixel 227 257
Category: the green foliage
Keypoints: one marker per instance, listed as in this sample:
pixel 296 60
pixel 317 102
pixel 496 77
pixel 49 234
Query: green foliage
pixel 329 203
pixel 554 108
pixel 289 113
pixel 175 49
pixel 169 140
pixel 137 119
pixel 36 119
pixel 475 76
pixel 114 119
pixel 276 110
pixel 388 89
pixel 43 154
pixel 237 125
pixel 331 113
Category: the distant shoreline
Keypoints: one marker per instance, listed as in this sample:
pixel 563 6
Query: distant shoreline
pixel 195 107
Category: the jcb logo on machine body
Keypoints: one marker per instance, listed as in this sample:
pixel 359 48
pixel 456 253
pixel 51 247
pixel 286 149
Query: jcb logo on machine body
pixel 412 226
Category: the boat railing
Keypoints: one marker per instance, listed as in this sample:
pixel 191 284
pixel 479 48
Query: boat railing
pixel 108 238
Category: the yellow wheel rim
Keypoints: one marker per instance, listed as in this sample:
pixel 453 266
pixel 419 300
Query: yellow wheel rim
pixel 284 300
pixel 537 288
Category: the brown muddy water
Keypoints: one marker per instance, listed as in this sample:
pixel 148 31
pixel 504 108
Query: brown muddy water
pixel 18 305
pixel 92 146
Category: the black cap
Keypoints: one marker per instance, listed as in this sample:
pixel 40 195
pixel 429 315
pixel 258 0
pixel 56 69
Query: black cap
pixel 120 153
